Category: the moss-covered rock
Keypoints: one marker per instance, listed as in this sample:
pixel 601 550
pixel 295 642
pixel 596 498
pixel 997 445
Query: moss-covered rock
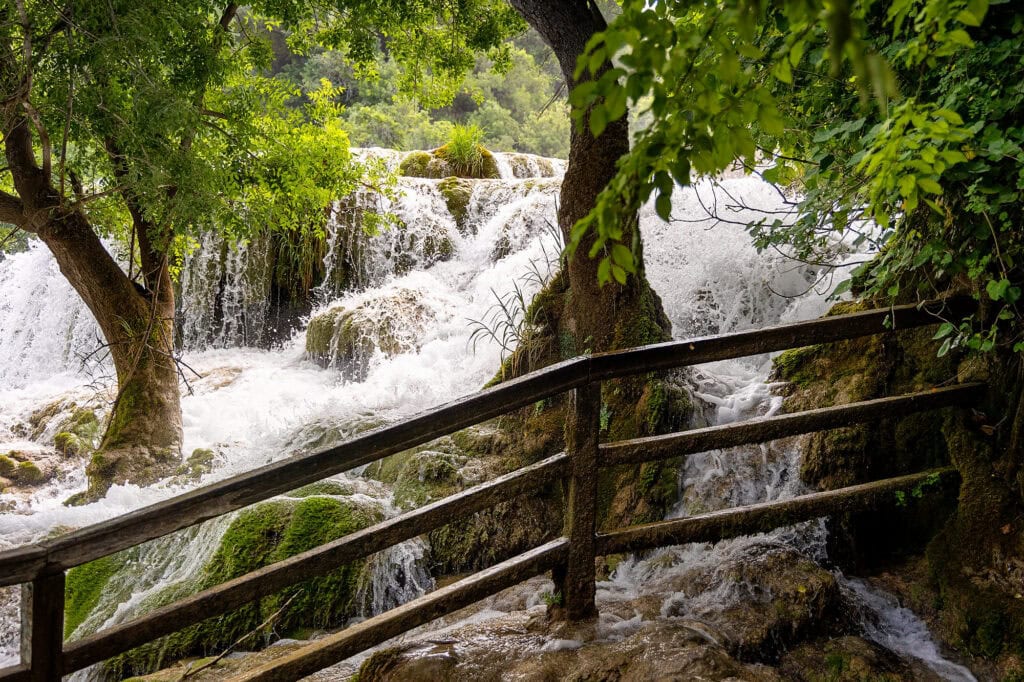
pixel 84 587
pixel 259 536
pixel 346 339
pixel 437 164
pixel 8 466
pixel 200 462
pixel 457 193
pixel 845 659
pixel 28 473
pixel 69 445
pixel 787 597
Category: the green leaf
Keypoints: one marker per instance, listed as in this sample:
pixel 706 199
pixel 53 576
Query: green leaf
pixel 598 121
pixel 783 71
pixel 946 345
pixel 945 329
pixel 604 271
pixel 996 289
pixel 623 257
pixel 663 206
pixel 929 185
pixel 842 288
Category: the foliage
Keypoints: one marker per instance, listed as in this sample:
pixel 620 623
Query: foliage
pixel 168 107
pixel 464 150
pixel 897 114
pixel 517 105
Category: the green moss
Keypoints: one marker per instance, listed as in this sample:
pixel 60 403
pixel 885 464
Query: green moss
pixel 420 475
pixel 415 165
pixel 258 536
pixel 794 365
pixel 69 444
pixel 84 587
pixel 8 466
pixel 457 193
pixel 28 473
pixel 322 488
pixel 198 463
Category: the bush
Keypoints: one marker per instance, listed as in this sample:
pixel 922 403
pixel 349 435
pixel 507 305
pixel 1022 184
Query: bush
pixel 464 150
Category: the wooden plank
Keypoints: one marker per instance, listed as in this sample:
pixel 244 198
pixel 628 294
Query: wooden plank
pixel 42 626
pixel 225 496
pixel 663 356
pixel 576 581
pixel 766 429
pixel 14 673
pixel 763 517
pixel 324 652
pixel 316 562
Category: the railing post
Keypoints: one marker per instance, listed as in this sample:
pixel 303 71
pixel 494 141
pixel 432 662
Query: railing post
pixel 42 626
pixel 575 581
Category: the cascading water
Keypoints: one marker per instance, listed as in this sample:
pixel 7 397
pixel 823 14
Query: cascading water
pixel 427 277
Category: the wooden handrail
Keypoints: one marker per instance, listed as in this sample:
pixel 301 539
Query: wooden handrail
pixel 78 547
pixel 43 565
pixel 662 356
pixel 765 516
pixel 323 652
pixel 84 545
pixel 759 430
pixel 318 561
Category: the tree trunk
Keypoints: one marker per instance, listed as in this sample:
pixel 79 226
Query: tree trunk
pixel 600 318
pixel 584 317
pixel 143 436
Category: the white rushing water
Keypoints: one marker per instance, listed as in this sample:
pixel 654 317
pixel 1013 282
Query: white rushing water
pixel 253 406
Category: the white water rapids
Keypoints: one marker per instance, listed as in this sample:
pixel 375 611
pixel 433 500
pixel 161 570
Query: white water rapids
pixel 252 406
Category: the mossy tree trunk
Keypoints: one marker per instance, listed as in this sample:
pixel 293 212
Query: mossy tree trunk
pixel 600 318
pixel 582 316
pixel 143 437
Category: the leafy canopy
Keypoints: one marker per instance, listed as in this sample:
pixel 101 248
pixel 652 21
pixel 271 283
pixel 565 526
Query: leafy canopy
pixel 898 112
pixel 161 107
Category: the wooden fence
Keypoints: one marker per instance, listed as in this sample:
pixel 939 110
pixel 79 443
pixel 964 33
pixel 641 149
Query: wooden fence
pixel 41 567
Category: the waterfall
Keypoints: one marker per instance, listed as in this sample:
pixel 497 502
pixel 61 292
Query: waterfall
pixel 428 276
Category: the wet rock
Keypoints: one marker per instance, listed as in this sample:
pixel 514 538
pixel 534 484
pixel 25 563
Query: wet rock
pixel 850 659
pixel 22 470
pixel 777 598
pixel 347 338
pixel 457 193
pixel 519 647
pixel 200 462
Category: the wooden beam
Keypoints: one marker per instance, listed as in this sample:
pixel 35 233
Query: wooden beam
pixel 14 673
pixel 315 562
pixel 42 627
pixel 763 517
pixel 219 498
pixel 327 651
pixel 575 580
pixel 663 356
pixel 766 429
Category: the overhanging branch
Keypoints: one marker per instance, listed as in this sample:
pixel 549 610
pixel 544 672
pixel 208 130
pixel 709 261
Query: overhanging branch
pixel 12 211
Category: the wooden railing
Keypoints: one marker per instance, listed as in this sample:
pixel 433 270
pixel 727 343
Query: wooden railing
pixel 41 567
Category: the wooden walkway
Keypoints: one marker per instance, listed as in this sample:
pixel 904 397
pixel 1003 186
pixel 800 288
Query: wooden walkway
pixel 40 568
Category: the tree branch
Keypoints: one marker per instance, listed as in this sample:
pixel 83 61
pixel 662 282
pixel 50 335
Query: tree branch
pixel 12 211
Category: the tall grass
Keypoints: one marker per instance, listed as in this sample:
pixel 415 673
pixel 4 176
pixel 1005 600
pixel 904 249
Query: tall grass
pixel 464 150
